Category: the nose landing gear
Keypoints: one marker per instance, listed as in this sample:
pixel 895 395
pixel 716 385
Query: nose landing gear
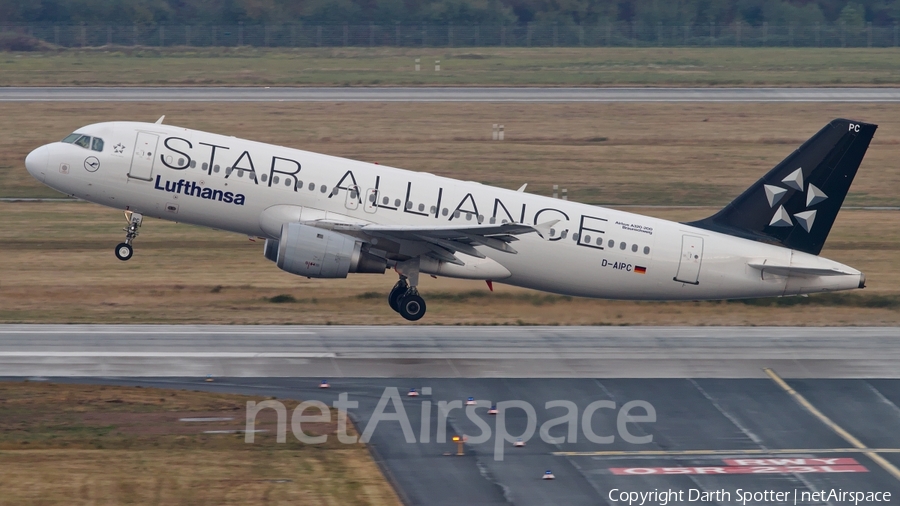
pixel 124 250
pixel 404 297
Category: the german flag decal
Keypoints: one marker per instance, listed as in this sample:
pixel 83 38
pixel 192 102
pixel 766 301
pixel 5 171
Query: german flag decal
pixel 640 270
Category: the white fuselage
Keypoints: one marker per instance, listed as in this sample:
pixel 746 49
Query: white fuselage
pixel 187 176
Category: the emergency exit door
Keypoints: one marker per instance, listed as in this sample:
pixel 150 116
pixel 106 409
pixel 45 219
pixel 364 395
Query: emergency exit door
pixel 371 202
pixel 353 198
pixel 143 157
pixel 691 258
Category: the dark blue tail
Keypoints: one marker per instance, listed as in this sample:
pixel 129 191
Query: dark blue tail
pixel 795 204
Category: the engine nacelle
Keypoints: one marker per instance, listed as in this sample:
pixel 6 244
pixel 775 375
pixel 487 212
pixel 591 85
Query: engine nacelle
pixel 271 250
pixel 318 253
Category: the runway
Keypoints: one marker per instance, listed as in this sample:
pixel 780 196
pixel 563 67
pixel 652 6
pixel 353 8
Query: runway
pixel 447 352
pixel 445 94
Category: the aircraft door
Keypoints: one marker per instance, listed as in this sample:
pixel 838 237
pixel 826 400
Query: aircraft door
pixel 691 258
pixel 371 202
pixel 353 198
pixel 143 157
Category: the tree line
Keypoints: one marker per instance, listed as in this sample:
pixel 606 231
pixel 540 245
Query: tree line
pixel 451 12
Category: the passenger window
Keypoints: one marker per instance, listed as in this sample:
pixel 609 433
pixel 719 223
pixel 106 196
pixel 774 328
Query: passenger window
pixel 97 145
pixel 70 139
pixel 84 141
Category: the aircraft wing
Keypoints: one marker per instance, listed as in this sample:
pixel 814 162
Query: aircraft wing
pixel 443 241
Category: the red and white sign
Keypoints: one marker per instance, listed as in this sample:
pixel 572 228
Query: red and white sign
pixel 755 466
pixel 637 471
pixel 792 462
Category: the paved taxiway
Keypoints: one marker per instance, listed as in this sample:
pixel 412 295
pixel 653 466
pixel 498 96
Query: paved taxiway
pixel 447 352
pixel 714 402
pixel 445 94
pixel 700 425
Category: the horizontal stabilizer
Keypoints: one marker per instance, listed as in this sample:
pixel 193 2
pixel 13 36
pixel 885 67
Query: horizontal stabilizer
pixel 796 270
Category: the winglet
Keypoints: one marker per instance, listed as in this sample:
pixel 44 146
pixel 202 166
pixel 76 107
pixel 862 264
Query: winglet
pixel 543 229
pixel 522 188
pixel 160 120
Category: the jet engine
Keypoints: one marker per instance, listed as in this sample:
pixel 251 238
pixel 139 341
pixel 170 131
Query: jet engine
pixel 318 253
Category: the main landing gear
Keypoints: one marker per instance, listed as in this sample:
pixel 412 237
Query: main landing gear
pixel 406 300
pixel 124 250
pixel 404 297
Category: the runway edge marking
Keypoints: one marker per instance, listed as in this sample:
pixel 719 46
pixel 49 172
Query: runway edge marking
pixel 868 452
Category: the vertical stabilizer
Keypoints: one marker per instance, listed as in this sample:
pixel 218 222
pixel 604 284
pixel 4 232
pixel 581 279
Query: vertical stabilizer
pixel 795 204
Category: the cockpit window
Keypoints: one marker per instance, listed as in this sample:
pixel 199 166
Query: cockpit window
pixel 84 141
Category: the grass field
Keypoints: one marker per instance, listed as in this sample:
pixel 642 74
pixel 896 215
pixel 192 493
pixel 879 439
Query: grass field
pixel 59 266
pixel 83 444
pixel 459 66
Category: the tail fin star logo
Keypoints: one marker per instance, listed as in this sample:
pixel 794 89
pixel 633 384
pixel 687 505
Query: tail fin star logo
pixel 775 194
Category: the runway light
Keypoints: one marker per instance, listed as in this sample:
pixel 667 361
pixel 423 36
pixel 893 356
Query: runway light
pixel 548 475
pixel 519 443
pixel 493 410
pixel 324 384
pixel 470 401
pixel 209 378
pixel 412 393
pixel 460 443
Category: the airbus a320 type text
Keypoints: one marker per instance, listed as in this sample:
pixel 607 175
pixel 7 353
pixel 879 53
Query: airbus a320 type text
pixel 325 217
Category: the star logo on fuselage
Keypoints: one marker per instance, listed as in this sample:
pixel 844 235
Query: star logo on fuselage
pixel 775 194
pixel 119 148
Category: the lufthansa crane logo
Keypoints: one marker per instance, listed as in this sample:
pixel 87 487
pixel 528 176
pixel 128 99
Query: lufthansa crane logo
pixel 91 164
pixel 775 194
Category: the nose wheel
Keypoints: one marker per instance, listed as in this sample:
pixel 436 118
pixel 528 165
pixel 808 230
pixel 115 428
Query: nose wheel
pixel 125 250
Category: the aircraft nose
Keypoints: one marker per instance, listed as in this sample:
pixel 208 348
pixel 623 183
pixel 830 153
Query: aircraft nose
pixel 36 162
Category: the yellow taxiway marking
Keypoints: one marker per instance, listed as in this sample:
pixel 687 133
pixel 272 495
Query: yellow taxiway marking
pixel 755 451
pixel 869 452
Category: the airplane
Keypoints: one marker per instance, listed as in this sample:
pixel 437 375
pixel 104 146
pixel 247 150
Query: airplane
pixel 326 217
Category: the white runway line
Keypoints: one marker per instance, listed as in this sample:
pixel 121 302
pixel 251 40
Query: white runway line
pixel 159 354
pixel 131 332
pixel 443 94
